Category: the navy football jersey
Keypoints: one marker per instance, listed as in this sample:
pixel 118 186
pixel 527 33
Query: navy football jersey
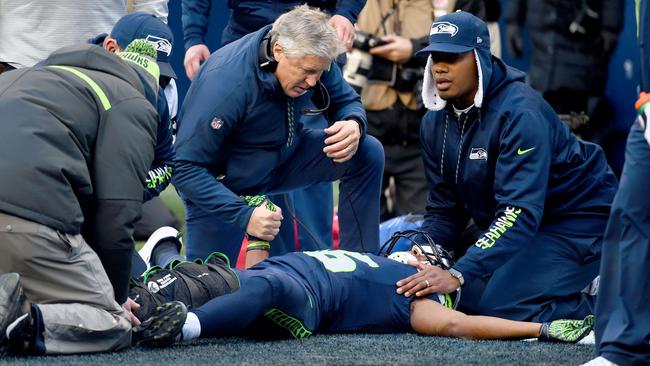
pixel 346 291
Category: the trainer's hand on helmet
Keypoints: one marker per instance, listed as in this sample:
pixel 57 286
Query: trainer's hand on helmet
pixel 264 224
pixel 430 280
pixel 129 306
pixel 343 141
pixel 194 56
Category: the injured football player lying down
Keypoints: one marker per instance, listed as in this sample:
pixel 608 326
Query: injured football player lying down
pixel 331 291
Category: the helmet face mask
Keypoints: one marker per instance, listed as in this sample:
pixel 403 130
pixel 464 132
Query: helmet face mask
pixel 425 251
pixel 423 248
pixel 426 254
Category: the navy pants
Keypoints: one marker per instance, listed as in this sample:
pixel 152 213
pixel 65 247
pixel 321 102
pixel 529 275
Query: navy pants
pixel 542 282
pixel 360 182
pixel 623 306
pixel 268 295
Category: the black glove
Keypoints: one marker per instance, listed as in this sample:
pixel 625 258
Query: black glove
pixel 515 42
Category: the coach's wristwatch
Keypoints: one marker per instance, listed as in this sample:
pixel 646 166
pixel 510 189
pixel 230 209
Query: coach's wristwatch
pixel 458 275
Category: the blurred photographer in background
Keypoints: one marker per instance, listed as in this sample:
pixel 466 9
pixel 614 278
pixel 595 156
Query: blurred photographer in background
pixel 384 71
pixel 572 42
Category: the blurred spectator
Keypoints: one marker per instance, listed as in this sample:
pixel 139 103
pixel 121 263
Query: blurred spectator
pixel 31 30
pixel 571 46
pixel 396 29
pixel 442 7
pixel 249 16
pixel 492 14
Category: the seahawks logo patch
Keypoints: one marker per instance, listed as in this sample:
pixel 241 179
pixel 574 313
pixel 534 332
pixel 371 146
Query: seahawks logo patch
pixel 443 28
pixel 478 153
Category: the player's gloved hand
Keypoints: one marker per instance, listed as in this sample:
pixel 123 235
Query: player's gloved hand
pixel 343 141
pixel 264 224
pixel 566 330
pixel 429 280
pixel 514 41
pixel 129 306
pixel 642 105
pixel 194 56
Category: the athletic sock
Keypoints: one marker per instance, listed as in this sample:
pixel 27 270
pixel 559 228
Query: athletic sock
pixel 191 328
pixel 165 252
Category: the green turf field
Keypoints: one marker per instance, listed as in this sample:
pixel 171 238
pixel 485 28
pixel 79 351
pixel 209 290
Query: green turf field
pixel 360 349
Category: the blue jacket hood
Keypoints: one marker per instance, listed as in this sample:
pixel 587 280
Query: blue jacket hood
pixel 493 74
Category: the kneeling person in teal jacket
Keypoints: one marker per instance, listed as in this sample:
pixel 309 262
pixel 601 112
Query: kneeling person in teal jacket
pixel 496 152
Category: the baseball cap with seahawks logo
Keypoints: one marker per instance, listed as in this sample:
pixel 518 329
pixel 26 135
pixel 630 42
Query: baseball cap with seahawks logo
pixel 141 25
pixel 456 33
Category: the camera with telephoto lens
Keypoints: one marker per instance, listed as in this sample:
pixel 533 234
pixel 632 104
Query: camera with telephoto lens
pixel 362 67
pixel 359 63
pixel 364 41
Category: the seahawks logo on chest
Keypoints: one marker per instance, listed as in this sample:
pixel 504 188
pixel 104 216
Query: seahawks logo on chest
pixel 478 153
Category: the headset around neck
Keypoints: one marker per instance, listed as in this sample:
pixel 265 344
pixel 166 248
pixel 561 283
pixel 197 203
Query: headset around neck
pixel 269 64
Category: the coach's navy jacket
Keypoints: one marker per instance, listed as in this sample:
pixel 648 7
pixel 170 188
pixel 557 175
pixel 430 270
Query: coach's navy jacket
pixel 512 166
pixel 250 15
pixel 233 124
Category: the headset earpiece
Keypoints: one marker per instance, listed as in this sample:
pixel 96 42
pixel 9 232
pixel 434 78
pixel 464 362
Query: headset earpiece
pixel 267 62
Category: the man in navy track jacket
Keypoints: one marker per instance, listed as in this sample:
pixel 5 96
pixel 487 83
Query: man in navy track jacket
pixel 239 134
pixel 495 152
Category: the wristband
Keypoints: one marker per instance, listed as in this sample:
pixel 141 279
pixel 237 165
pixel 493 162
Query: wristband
pixel 258 245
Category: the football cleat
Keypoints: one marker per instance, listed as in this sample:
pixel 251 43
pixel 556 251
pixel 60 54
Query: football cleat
pixel 162 328
pixel 21 335
pixel 163 233
pixel 11 301
pixel 565 330
pixel 599 361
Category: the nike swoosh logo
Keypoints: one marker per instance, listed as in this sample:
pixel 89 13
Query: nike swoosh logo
pixel 522 152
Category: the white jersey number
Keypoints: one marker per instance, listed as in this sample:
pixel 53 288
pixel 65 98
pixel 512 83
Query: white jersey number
pixel 341 260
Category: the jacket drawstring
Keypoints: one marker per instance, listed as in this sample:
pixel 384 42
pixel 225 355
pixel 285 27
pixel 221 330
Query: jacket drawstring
pixel 291 123
pixel 460 143
pixel 444 143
